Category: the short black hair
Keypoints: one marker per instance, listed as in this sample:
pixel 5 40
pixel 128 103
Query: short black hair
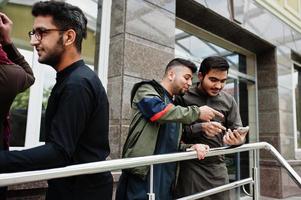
pixel 213 62
pixel 180 61
pixel 65 16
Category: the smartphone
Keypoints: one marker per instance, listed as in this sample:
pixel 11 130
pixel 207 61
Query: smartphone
pixel 243 130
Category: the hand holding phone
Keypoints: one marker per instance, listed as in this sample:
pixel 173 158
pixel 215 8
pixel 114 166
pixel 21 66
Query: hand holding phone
pixel 236 136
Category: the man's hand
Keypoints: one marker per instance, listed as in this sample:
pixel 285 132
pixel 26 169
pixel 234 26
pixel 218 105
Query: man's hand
pixel 208 113
pixel 5 29
pixel 234 137
pixel 201 150
pixel 212 128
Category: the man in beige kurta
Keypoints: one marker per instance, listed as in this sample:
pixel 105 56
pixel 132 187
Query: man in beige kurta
pixel 200 175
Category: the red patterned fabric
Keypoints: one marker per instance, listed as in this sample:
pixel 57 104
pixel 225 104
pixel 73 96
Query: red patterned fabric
pixel 3 58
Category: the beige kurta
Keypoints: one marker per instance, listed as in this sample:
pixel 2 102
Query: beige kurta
pixel 197 176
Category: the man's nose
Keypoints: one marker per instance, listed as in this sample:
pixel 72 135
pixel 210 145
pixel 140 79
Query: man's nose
pixel 34 41
pixel 219 85
pixel 189 82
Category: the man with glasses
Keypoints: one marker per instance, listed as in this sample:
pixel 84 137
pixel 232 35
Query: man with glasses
pixel 76 119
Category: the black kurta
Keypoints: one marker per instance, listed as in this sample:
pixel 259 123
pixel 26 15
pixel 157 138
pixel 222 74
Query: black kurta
pixel 200 175
pixel 76 127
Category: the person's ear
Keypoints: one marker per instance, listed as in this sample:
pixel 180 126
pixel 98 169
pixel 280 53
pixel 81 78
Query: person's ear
pixel 171 75
pixel 69 37
pixel 200 76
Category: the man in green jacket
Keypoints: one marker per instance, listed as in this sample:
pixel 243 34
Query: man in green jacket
pixel 155 128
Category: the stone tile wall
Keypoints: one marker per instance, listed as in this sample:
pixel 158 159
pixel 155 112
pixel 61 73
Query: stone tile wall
pixel 142 43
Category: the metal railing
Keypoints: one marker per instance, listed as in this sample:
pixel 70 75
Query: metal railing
pixel 118 164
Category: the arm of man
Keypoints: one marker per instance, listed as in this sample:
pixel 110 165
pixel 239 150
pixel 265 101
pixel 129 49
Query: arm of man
pixel 67 125
pixel 42 157
pixel 209 128
pixel 155 109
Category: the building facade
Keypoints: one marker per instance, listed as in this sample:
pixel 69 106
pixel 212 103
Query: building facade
pixel 261 40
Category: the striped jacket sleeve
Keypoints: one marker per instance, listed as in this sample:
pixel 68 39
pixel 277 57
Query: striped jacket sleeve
pixel 153 108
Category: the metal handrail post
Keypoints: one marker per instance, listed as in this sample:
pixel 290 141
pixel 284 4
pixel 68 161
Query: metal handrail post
pixel 151 194
pixel 291 172
pixel 255 176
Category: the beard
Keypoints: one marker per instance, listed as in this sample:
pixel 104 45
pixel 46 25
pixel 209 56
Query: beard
pixel 206 90
pixel 182 92
pixel 179 91
pixel 54 56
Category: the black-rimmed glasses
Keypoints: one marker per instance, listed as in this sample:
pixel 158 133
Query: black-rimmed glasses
pixel 40 32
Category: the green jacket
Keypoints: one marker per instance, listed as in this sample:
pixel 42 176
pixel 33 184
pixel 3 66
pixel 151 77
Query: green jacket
pixel 143 132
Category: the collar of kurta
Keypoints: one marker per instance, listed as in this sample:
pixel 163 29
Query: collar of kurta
pixel 69 69
pixel 196 91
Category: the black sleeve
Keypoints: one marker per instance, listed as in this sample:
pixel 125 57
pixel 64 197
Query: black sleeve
pixel 42 157
pixel 67 125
